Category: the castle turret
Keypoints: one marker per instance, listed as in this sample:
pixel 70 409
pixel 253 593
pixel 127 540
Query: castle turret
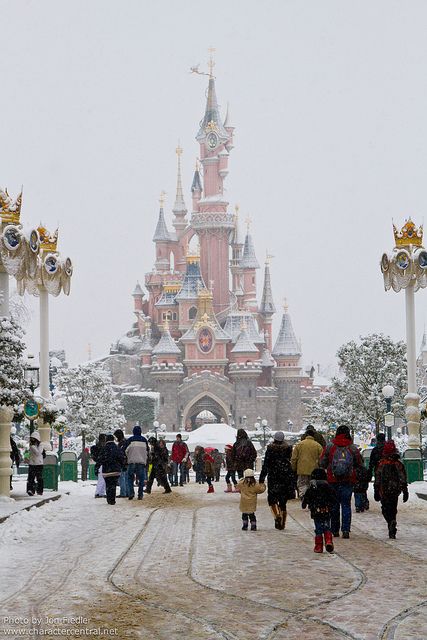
pixel 162 239
pixel 249 264
pixel 244 371
pixel 138 297
pixel 237 243
pixel 179 208
pixel 287 375
pixel 187 296
pixel 196 187
pixel 267 308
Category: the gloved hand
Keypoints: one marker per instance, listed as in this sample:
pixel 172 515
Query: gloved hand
pixel 405 495
pixel 377 497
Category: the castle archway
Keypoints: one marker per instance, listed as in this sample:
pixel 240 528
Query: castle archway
pixel 205 402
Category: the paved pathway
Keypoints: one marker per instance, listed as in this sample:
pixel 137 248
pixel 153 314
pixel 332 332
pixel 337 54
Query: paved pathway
pixel 179 566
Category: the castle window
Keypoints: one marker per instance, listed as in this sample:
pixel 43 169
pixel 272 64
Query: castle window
pixel 163 316
pixel 174 316
pixel 192 313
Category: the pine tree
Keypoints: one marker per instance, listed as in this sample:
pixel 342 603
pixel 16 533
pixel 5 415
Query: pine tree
pixel 93 407
pixel 12 392
pixel 357 399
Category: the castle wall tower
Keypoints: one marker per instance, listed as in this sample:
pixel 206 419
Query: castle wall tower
pixel 267 308
pixel 211 221
pixel 249 264
pixel 287 375
pixel 167 373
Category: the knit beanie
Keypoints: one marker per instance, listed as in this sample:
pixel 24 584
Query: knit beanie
pixel 248 473
pixel 279 436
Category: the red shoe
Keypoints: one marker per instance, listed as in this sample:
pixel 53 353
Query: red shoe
pixel 211 489
pixel 329 542
pixel 229 489
pixel 236 489
pixel 318 544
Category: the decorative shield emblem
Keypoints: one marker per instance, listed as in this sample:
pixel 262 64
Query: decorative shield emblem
pixel 402 260
pixel 51 264
pixel 11 237
pixel 205 340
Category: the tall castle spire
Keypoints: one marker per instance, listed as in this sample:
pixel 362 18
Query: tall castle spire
pixel 287 344
pixel 267 307
pixel 161 233
pixel 179 209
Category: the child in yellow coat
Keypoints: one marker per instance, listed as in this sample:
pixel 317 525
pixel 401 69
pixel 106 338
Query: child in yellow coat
pixel 249 489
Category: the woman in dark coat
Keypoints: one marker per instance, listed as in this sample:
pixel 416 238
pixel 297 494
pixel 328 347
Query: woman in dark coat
pixel 281 479
pixel 244 453
pixel 159 457
pixel 110 461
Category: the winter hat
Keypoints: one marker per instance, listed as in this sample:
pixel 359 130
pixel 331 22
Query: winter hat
pixel 248 473
pixel 228 446
pixel 279 436
pixel 310 429
pixel 109 438
pixel 343 430
pixel 137 430
pixel 318 474
pixel 36 436
pixel 389 448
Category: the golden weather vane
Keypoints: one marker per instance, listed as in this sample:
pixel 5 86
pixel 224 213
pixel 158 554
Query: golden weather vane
pixel 248 222
pixel 268 257
pixel 179 150
pixel 285 305
pixel 162 198
pixel 211 65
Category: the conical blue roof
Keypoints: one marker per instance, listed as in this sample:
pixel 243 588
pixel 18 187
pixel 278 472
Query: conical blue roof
pixel 212 114
pixel 267 305
pixel 286 343
pixel 244 344
pixel 192 283
pixel 161 233
pixel 248 260
pixel 166 345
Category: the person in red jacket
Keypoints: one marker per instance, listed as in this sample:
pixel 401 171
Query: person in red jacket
pixel 341 458
pixel 179 457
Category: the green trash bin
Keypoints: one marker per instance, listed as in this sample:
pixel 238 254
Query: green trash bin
pixel 50 471
pixel 92 475
pixel 69 466
pixel 413 464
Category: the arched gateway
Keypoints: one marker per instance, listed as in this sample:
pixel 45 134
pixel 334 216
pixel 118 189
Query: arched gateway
pixel 204 402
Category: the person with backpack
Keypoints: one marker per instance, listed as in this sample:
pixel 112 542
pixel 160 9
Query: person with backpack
pixel 244 453
pixel 281 479
pixel 159 456
pixel 305 458
pixel 320 498
pixel 341 458
pixel 390 482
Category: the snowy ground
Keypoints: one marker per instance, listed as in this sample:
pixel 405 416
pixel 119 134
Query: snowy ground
pixel 179 566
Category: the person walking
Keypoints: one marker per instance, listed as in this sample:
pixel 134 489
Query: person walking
pixel 35 465
pixel 376 455
pixel 244 453
pixel 390 482
pixel 198 464
pixel 111 460
pixel 84 458
pixel 123 480
pixel 249 490
pixel 320 498
pixel 281 479
pixel 360 489
pixel 341 458
pixel 95 452
pixel 305 457
pixel 179 457
pixel 208 470
pixel 15 457
pixel 311 431
pixel 218 460
pixel 231 470
pixel 136 450
pixel 158 455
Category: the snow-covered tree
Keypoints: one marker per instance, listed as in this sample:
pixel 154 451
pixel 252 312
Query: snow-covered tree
pixel 92 406
pixel 12 386
pixel 141 407
pixel 356 399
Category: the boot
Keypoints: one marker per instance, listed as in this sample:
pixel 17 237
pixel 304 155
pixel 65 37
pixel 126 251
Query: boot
pixel 318 544
pixel 329 542
pixel 236 488
pixel 229 488
pixel 392 529
pixel 284 514
pixel 276 515
pixel 253 525
pixel 211 489
pixel 245 524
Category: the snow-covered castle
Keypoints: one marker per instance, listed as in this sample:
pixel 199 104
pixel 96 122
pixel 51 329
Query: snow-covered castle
pixel 200 345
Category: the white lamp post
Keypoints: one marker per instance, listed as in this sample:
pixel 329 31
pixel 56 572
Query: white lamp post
pixel 406 268
pixel 388 393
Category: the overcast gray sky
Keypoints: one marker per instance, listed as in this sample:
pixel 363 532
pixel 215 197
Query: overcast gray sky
pixel 329 100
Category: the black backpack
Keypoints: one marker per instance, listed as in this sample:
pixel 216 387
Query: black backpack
pixel 390 480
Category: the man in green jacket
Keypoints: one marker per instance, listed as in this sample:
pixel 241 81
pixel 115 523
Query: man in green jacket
pixel 305 458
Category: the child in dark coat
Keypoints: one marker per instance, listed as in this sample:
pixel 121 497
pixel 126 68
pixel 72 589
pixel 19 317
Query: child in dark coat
pixel 390 482
pixel 320 497
pixel 360 489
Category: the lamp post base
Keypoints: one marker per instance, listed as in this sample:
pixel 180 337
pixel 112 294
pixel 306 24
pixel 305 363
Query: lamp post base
pixel 6 415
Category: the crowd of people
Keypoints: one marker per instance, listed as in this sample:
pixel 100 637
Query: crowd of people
pixel 323 475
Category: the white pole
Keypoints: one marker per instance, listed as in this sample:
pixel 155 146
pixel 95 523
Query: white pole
pixel 44 344
pixel 4 292
pixel 6 413
pixel 412 398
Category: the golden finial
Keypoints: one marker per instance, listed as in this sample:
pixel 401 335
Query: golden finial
pixel 268 257
pixel 285 305
pixel 48 241
pixel 243 324
pixel 10 212
pixel 211 62
pixel 248 223
pixel 409 234
pixel 178 150
pixel 162 199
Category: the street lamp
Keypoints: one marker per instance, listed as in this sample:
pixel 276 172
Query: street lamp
pixel 406 268
pixel 31 377
pixel 156 426
pixel 388 393
pixel 61 405
pixel 265 428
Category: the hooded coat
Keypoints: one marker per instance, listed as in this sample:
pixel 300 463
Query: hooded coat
pixel 390 483
pixel 248 495
pixel 325 462
pixel 305 456
pixel 244 452
pixel 136 448
pixel 112 460
pixel 277 467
